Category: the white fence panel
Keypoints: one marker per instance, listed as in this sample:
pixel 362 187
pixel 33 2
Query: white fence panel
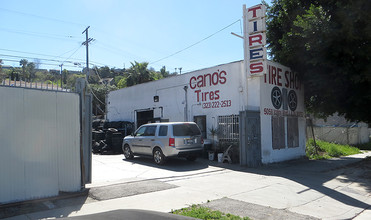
pixel 340 135
pixel 40 138
pixel 68 121
pixel 12 166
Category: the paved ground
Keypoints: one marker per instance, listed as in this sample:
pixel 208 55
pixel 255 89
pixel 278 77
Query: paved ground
pixel 331 189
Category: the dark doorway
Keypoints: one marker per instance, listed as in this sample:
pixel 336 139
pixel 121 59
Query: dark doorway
pixel 250 139
pixel 144 117
pixel 201 122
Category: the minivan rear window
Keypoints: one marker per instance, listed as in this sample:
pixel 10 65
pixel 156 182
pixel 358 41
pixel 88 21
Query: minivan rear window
pixel 186 130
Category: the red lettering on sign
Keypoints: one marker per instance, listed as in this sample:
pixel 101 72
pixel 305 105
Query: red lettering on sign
pixel 273 74
pixel 208 79
pixel 207 96
pixel 254 11
pixel 198 94
pixel 215 78
pixel 255 39
pixel 256 67
pixel 192 84
pixel 216 95
pixel 275 77
pixel 287 79
pixel 200 81
pixel 279 70
pixel 222 78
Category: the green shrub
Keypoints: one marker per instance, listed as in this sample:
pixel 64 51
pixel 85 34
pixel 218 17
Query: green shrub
pixel 327 150
pixel 197 211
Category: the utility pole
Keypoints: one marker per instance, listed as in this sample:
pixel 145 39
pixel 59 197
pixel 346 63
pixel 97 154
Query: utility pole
pixel 86 43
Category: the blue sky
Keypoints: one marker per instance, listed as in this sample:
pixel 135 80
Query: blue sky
pixel 124 31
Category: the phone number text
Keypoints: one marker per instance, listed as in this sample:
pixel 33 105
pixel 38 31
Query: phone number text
pixel 217 104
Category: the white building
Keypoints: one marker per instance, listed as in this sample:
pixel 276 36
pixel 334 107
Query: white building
pixel 215 97
pixel 255 102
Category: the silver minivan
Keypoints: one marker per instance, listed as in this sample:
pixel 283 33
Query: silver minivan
pixel 162 140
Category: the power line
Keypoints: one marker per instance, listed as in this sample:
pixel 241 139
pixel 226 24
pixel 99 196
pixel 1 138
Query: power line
pixel 46 64
pixel 46 35
pixel 59 61
pixel 72 54
pixel 40 54
pixel 239 20
pixel 22 57
pixel 41 17
pixel 91 90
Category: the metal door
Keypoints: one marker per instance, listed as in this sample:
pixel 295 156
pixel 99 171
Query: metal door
pixel 250 138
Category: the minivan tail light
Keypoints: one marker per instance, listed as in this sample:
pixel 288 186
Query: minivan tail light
pixel 202 140
pixel 171 142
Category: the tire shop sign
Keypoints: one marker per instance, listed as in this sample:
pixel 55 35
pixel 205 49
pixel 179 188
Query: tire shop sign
pixel 284 90
pixel 256 40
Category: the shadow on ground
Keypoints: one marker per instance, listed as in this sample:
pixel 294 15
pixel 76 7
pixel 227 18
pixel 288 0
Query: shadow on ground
pixel 315 173
pixel 172 164
pixel 53 204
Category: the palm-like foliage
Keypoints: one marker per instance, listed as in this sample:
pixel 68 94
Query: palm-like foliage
pixel 138 73
pixel 23 64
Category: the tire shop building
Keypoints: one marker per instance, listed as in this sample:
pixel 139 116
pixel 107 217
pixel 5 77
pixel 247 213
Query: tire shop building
pixel 255 104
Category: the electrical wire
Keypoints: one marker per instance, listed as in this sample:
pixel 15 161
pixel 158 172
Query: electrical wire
pixel 72 54
pixel 45 35
pixel 60 56
pixel 41 17
pixel 22 57
pixel 93 93
pixel 173 54
pixel 47 64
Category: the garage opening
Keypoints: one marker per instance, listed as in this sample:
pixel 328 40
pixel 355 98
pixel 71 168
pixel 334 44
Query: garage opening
pixel 144 117
pixel 201 122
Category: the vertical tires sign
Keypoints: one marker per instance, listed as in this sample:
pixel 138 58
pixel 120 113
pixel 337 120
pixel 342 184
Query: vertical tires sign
pixel 256 40
pixel 276 90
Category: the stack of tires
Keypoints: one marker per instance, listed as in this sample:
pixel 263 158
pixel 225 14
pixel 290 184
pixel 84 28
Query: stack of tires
pixel 108 136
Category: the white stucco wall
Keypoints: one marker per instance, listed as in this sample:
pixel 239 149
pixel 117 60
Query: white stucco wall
pixel 224 95
pixel 284 80
pixel 229 96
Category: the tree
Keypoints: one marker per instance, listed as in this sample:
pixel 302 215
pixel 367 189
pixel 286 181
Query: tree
pixel 31 69
pixel 2 75
pixel 122 83
pixel 64 76
pixel 99 101
pixel 138 73
pixel 23 64
pixel 328 43
pixel 163 72
pixel 105 72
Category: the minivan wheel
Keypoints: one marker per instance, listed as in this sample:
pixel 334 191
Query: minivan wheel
pixel 158 156
pixel 127 152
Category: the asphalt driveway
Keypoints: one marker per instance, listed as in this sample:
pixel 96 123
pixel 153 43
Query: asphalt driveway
pixel 300 189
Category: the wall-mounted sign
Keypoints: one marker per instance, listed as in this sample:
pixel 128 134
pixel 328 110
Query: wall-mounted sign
pixel 282 91
pixel 256 40
pixel 207 89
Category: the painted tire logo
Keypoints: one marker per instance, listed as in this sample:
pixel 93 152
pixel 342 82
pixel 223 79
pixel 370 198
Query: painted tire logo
pixel 293 100
pixel 276 97
pixel 280 98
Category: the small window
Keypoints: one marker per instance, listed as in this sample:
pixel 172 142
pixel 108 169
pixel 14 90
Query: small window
pixel 140 131
pixel 292 132
pixel 150 131
pixel 186 130
pixel 278 133
pixel 162 131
